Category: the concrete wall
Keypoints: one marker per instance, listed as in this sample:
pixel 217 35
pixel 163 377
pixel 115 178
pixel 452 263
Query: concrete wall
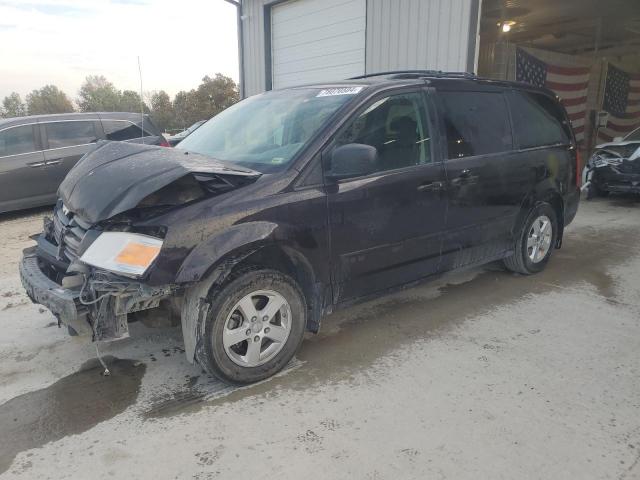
pixel 401 34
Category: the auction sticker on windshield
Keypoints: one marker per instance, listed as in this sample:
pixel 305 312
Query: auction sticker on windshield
pixel 329 92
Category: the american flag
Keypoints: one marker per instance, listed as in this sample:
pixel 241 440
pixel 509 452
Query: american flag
pixel 622 101
pixel 569 83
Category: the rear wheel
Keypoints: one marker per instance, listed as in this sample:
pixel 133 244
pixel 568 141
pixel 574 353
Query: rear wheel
pixel 255 325
pixel 535 242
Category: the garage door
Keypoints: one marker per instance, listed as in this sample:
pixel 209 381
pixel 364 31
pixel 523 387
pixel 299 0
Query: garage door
pixel 317 40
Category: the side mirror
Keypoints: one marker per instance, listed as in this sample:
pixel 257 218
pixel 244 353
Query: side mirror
pixel 352 160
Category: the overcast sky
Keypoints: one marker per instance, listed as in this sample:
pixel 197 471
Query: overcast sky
pixel 62 41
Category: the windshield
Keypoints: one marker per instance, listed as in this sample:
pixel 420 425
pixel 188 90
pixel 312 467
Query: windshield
pixel 633 136
pixel 266 131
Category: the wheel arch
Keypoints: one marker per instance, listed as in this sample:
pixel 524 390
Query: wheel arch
pixel 547 195
pixel 265 253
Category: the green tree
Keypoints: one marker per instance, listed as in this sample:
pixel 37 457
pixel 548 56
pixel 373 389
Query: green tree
pixel 216 94
pixel 211 97
pixel 12 106
pixel 130 102
pixel 162 112
pixel 49 99
pixel 186 109
pixel 97 94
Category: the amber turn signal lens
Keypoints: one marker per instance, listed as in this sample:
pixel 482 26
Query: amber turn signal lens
pixel 137 254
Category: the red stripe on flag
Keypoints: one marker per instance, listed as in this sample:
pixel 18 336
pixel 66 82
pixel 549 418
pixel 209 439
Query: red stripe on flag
pixel 605 137
pixel 577 115
pixel 578 130
pixel 621 128
pixel 566 87
pixel 567 70
pixel 635 89
pixel 572 102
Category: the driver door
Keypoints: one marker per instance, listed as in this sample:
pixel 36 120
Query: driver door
pixel 386 226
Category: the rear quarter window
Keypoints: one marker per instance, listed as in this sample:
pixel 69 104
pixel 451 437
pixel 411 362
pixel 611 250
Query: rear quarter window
pixel 121 130
pixel 475 123
pixel 538 120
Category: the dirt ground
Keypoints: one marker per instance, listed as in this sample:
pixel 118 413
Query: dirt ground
pixel 482 374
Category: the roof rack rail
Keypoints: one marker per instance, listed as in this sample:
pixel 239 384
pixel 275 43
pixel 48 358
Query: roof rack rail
pixel 415 74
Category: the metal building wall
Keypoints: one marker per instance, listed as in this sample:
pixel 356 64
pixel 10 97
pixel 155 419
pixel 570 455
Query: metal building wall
pixel 421 34
pixel 253 46
pixel 401 34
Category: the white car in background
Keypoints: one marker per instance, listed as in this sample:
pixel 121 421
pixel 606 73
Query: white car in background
pixel 614 167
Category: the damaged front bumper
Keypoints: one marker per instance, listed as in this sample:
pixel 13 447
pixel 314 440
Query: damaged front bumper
pixel 62 302
pixel 98 306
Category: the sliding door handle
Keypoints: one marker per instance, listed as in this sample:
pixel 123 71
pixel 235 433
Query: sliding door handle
pixel 431 187
pixel 36 164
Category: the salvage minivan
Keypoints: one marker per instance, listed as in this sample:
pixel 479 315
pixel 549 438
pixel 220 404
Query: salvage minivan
pixel 296 202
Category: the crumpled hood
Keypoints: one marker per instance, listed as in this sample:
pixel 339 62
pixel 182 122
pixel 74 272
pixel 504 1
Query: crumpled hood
pixel 116 176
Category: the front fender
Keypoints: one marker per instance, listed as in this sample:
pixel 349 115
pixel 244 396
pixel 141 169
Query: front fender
pixel 242 236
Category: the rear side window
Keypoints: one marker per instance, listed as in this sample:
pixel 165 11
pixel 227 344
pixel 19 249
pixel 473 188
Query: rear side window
pixel 17 140
pixel 476 123
pixel 537 120
pixel 122 130
pixel 68 134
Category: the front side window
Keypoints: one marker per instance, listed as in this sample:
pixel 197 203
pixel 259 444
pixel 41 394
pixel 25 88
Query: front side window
pixel 265 132
pixel 68 134
pixel 476 123
pixel 396 126
pixel 537 120
pixel 17 140
pixel 120 130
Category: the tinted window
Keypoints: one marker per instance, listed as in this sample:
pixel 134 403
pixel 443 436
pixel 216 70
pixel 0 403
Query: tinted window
pixel 14 141
pixel 396 126
pixel 537 120
pixel 476 123
pixel 121 130
pixel 68 134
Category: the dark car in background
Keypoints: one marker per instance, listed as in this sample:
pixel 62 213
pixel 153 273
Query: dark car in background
pixel 36 152
pixel 178 137
pixel 292 204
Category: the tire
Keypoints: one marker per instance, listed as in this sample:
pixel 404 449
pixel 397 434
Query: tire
pixel 231 318
pixel 521 261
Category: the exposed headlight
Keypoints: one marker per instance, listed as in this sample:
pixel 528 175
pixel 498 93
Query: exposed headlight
pixel 121 252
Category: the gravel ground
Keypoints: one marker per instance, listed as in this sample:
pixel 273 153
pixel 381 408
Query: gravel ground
pixel 482 374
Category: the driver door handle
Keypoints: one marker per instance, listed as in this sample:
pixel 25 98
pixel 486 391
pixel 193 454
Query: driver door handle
pixel 55 161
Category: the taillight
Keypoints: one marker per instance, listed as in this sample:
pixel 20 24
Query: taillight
pixel 578 168
pixel 164 143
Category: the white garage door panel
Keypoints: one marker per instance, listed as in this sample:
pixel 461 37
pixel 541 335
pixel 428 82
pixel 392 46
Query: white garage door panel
pixel 290 53
pixel 322 62
pixel 314 76
pixel 296 9
pixel 320 36
pixel 317 40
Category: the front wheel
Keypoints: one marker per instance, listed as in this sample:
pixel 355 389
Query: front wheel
pixel 535 242
pixel 254 327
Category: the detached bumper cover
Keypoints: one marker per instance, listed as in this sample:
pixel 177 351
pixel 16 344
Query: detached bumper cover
pixel 60 301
